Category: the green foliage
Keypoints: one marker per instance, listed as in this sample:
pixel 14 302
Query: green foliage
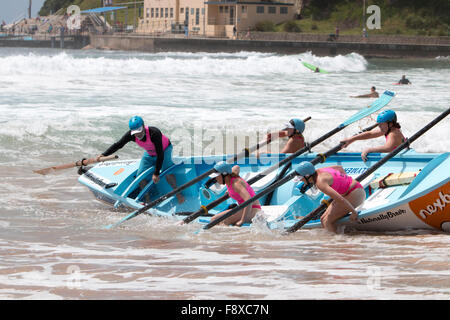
pixel 321 9
pixel 52 6
pixel 265 26
pixel 415 22
pixel 291 26
pixel 412 17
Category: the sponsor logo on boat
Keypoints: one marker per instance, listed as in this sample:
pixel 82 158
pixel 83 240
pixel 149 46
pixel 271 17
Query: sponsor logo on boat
pixel 116 163
pixel 434 207
pixel 383 216
pixel 355 170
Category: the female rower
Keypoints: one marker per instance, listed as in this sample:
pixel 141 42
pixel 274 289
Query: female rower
pixel 239 190
pixel 347 194
pixel 387 126
pixel 294 131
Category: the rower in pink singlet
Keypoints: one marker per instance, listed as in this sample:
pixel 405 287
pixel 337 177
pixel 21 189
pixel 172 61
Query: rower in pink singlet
pixel 234 195
pixel 347 194
pixel 341 182
pixel 227 175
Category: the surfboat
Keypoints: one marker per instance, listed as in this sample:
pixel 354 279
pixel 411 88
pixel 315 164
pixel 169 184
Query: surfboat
pixel 410 191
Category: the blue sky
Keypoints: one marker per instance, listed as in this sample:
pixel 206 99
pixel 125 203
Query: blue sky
pixel 11 10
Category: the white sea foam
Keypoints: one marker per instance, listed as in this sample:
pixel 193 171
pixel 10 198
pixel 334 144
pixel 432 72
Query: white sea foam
pixel 64 65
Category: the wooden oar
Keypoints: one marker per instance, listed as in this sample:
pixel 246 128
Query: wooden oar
pixel 79 163
pixel 321 209
pixel 382 101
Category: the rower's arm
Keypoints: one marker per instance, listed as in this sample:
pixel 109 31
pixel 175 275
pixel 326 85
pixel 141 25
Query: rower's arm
pixel 127 137
pixel 374 133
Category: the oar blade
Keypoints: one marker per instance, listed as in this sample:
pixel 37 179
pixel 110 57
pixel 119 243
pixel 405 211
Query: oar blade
pixel 381 102
pixel 44 171
pixel 128 217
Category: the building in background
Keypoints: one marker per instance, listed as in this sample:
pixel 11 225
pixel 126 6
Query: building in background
pixel 213 18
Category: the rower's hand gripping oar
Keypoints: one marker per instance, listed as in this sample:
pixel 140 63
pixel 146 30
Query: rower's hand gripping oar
pixel 382 101
pixel 83 162
pixel 204 175
pixel 321 209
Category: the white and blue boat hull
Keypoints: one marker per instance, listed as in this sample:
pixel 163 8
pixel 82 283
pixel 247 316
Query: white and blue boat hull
pixel 422 204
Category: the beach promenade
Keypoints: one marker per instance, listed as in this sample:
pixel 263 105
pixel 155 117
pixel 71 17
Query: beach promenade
pixel 283 43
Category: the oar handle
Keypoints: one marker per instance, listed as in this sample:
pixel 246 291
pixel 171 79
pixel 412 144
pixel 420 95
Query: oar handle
pixel 78 163
pixel 85 162
pixel 369 128
pixel 321 209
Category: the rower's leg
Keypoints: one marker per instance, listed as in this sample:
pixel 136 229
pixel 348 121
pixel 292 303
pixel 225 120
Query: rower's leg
pixel 142 185
pixel 173 183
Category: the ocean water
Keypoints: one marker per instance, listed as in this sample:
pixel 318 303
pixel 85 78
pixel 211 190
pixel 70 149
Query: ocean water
pixel 60 106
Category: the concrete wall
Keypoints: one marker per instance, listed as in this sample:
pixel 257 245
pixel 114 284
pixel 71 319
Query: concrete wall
pixel 285 36
pixel 69 43
pixel 320 48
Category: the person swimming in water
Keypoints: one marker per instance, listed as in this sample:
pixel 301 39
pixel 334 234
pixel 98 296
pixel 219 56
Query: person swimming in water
pixel 403 80
pixel 373 94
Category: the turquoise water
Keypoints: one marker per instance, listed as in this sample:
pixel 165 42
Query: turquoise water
pixel 60 106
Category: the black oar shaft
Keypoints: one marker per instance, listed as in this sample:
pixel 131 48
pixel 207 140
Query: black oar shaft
pixel 197 179
pixel 259 176
pixel 204 210
pixel 378 104
pixel 236 157
pixel 289 165
pixel 321 209
pixel 318 159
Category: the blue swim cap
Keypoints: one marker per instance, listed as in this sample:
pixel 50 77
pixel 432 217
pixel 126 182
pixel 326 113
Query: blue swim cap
pixel 299 125
pixel 223 168
pixel 305 169
pixel 296 124
pixel 135 124
pixel 386 116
